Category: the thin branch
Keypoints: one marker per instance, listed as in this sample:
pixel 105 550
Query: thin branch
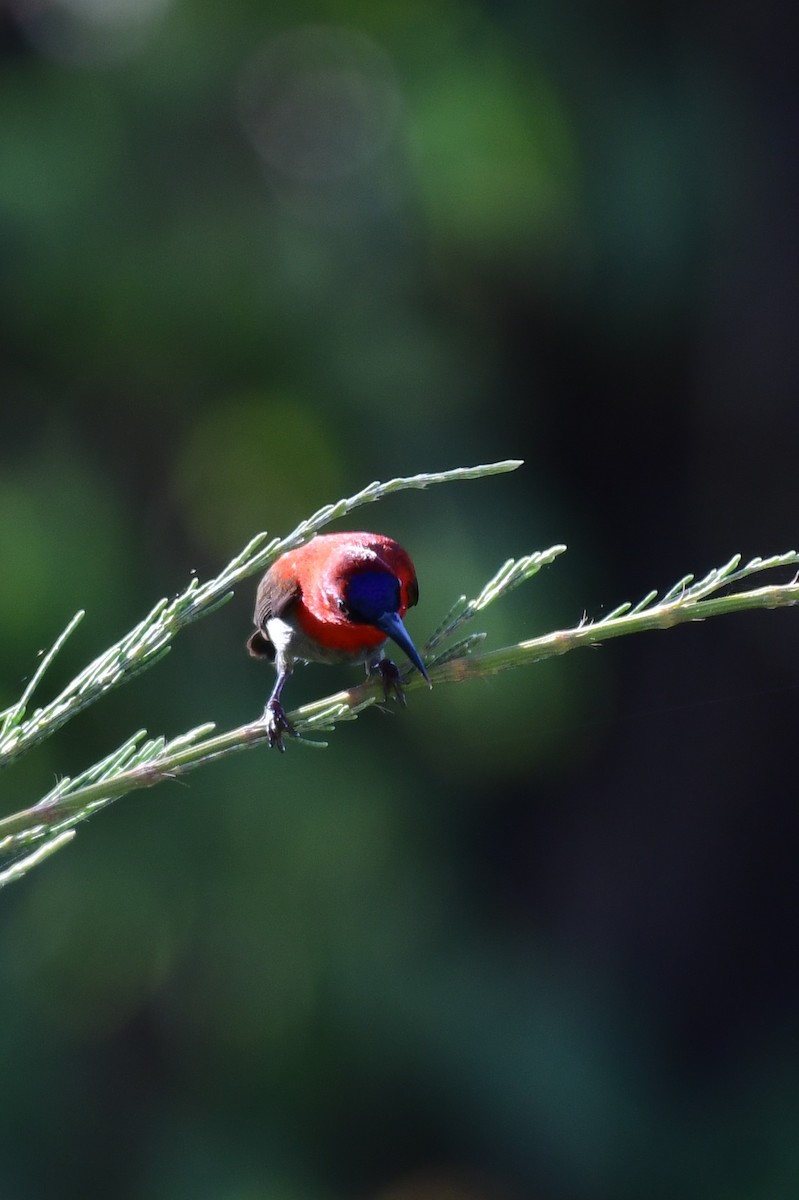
pixel 22 865
pixel 148 641
pixel 139 763
pixel 13 715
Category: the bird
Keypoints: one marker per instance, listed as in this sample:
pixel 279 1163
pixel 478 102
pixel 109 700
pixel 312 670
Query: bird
pixel 337 599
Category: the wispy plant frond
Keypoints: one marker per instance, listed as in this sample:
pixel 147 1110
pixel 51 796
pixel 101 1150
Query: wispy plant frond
pixel 31 835
pixel 143 645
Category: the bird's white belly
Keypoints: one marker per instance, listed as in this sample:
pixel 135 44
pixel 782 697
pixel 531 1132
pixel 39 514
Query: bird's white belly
pixel 292 645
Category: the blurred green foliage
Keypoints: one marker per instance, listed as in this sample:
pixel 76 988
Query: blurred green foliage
pixel 251 259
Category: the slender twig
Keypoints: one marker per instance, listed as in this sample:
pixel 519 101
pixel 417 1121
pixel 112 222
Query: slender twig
pixel 148 641
pixel 21 866
pixel 140 763
pixel 143 762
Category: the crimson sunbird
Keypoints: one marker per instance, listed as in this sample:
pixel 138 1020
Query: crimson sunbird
pixel 338 598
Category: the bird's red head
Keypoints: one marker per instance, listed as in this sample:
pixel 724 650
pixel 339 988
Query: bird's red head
pixel 355 590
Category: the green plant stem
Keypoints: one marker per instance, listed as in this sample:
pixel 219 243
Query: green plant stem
pixel 22 865
pixel 52 815
pixel 663 616
pixel 148 641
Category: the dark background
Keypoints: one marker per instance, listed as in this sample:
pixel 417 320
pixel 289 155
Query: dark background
pixel 535 938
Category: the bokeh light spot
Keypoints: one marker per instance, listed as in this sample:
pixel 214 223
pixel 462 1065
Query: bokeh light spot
pixel 319 102
pixel 251 463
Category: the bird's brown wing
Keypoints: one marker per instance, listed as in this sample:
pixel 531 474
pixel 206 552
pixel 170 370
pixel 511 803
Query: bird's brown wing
pixel 275 597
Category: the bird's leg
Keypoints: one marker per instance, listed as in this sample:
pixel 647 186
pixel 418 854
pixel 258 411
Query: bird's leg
pixel 274 718
pixel 391 678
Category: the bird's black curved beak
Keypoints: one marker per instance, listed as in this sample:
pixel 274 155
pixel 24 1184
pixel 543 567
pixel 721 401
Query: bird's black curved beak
pixel 391 624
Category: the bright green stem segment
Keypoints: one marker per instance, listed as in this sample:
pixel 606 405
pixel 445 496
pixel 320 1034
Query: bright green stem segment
pixel 148 641
pixel 30 836
pixel 161 761
pixel 664 616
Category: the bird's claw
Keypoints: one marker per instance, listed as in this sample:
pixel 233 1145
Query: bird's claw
pixel 392 681
pixel 277 723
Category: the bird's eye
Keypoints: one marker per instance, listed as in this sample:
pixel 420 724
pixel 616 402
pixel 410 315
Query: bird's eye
pixel 342 607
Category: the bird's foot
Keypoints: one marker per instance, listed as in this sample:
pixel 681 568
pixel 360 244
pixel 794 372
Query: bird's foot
pixel 392 681
pixel 277 723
